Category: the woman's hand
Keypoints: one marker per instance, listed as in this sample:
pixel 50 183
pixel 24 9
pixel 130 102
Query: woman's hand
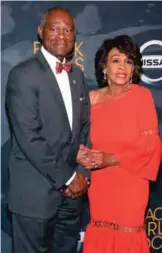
pixel 84 157
pixel 102 159
pixel 93 159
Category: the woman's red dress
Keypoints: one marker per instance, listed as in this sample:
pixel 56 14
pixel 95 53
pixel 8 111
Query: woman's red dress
pixel 126 126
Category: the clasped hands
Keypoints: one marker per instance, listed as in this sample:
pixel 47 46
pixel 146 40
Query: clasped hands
pixel 95 159
pixel 90 159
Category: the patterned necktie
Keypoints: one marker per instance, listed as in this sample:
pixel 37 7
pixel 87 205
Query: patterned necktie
pixel 60 66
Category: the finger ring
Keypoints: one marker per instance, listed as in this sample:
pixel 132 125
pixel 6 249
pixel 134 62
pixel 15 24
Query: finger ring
pixel 95 165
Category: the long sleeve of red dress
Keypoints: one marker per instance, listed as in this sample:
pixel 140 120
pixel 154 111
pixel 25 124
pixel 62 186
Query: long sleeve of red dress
pixel 142 156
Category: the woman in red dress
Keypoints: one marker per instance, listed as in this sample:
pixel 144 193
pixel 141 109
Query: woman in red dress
pixel 124 130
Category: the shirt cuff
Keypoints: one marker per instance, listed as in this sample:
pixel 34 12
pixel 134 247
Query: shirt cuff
pixel 71 179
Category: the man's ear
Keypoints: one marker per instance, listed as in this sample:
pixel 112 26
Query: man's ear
pixel 40 31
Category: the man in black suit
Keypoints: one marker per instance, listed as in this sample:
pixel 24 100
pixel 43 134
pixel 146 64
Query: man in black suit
pixel 48 109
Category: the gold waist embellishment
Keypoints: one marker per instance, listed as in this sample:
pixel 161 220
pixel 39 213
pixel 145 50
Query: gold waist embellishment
pixel 115 226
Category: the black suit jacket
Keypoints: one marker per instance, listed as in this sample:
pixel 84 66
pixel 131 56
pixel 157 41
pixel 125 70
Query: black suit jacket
pixel 44 149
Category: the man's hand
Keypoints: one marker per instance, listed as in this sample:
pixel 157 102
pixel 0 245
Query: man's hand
pixel 77 187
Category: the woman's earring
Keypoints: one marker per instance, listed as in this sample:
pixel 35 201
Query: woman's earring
pixel 130 81
pixel 104 75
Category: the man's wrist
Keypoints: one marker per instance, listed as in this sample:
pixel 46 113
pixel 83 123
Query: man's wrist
pixel 88 181
pixel 63 187
pixel 71 179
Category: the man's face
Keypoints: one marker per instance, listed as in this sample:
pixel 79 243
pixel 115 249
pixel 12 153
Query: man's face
pixel 58 33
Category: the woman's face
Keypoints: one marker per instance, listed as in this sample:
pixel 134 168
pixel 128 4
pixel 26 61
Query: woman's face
pixel 119 68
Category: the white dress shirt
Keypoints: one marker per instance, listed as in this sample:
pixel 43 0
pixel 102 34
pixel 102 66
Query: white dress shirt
pixel 64 85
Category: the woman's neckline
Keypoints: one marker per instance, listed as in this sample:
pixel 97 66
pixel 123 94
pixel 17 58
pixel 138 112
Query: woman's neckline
pixel 116 97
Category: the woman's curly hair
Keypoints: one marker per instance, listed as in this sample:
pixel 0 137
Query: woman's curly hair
pixel 125 45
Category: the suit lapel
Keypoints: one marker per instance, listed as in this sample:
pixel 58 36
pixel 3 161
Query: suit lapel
pixel 75 100
pixel 50 80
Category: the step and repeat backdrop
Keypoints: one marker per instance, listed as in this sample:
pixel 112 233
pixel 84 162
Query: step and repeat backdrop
pixel 95 21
